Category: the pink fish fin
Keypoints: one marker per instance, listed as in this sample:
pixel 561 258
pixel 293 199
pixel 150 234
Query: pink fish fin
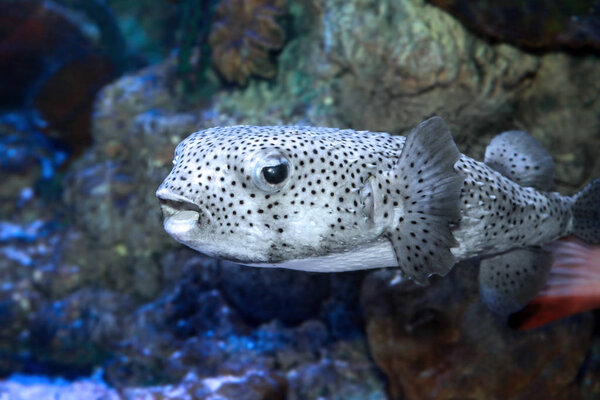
pixel 573 286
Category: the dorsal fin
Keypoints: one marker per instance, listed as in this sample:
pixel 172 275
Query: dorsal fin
pixel 426 188
pixel 521 158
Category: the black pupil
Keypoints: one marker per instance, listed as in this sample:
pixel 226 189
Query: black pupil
pixel 275 174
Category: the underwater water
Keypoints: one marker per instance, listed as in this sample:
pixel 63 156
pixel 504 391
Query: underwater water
pixel 97 301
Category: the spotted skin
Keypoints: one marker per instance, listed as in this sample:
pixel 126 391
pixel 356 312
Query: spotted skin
pixel 498 215
pixel 353 200
pixel 318 211
pixel 519 157
pixel 587 213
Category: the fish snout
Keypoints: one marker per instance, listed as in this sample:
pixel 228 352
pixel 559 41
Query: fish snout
pixel 180 214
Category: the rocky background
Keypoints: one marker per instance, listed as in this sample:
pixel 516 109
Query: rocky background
pixel 97 302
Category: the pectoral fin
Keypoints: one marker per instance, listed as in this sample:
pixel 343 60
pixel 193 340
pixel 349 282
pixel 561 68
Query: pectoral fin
pixel 427 188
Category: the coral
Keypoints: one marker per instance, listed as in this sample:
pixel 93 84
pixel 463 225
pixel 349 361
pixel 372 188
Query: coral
pixel 243 34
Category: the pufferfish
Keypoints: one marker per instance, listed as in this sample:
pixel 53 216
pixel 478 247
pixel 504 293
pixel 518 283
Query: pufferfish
pixel 333 200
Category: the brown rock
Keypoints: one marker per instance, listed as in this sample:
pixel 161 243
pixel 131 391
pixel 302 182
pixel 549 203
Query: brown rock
pixel 440 342
pixel 560 108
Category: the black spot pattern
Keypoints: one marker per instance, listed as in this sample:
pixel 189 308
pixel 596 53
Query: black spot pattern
pixel 519 157
pixel 586 213
pixel 509 281
pixel 427 186
pixel 316 211
pixel 498 215
pixel 346 188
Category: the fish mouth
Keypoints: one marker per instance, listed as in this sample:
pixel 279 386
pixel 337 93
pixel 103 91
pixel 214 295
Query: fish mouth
pixel 181 216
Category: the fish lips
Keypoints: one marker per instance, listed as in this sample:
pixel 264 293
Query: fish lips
pixel 182 218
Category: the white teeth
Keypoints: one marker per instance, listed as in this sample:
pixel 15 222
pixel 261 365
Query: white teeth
pixel 185 215
pixel 181 223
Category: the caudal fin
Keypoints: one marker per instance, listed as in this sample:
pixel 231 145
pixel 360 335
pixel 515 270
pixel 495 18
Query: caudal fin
pixel 586 213
pixel 573 286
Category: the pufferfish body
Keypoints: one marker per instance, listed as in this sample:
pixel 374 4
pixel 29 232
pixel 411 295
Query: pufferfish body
pixel 331 200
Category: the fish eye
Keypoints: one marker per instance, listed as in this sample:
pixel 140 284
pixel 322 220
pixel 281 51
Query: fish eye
pixel 271 171
pixel 275 174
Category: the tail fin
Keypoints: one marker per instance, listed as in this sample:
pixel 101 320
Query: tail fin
pixel 586 213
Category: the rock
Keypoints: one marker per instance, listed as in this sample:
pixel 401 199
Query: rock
pixel 111 190
pixel 421 61
pixel 197 307
pixel 31 34
pixel 25 251
pixel 252 385
pixel 265 294
pixel 148 27
pixel 63 102
pixel 109 289
pixel 348 374
pixel 440 342
pixel 387 65
pixel 146 92
pixel 342 311
pixel 19 151
pixel 28 161
pixel 74 334
pixel 546 110
pixel 15 308
pixel 590 371
pixel 243 35
pixel 41 388
pixel 481 88
pixel 50 62
pixel 531 24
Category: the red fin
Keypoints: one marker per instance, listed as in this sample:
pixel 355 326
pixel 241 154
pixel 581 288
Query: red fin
pixel 573 286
